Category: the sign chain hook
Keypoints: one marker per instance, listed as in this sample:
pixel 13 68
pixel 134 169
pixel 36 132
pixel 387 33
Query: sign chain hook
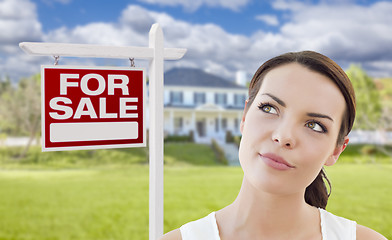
pixel 132 62
pixel 56 60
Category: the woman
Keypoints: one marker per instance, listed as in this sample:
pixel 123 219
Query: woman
pixel 300 109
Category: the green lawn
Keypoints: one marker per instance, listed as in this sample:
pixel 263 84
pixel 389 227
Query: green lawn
pixel 112 202
pixel 363 193
pixel 74 204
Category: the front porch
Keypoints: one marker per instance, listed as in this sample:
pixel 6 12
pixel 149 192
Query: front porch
pixel 207 122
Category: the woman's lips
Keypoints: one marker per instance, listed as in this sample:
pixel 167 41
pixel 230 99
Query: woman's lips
pixel 275 161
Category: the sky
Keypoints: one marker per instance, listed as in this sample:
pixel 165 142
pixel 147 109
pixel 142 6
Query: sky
pixel 222 36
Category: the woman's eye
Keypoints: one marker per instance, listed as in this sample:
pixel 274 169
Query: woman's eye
pixel 316 127
pixel 268 109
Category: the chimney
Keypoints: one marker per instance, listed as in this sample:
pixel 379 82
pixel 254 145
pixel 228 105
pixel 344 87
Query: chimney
pixel 240 78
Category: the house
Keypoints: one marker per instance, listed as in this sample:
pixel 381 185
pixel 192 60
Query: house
pixel 202 104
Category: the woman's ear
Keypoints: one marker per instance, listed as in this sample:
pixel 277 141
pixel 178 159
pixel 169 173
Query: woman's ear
pixel 243 117
pixel 338 150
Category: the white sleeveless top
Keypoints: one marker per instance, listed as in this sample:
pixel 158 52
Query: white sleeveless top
pixel 332 228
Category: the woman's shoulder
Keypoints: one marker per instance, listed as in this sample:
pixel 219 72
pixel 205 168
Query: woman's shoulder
pixel 204 228
pixel 172 235
pixel 365 233
pixel 338 225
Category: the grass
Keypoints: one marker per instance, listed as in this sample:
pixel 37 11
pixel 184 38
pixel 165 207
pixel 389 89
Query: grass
pixel 112 203
pixel 103 194
pixel 363 192
pixel 74 204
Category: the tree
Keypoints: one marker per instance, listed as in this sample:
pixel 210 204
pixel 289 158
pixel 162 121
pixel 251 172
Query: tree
pixel 369 108
pixel 385 89
pixel 20 112
pixel 6 92
pixel 5 85
pixel 373 112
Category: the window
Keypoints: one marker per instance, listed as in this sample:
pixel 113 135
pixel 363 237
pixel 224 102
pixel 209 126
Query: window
pixel 239 99
pixel 237 124
pixel 178 124
pixel 224 123
pixel 220 98
pixel 199 98
pixel 176 97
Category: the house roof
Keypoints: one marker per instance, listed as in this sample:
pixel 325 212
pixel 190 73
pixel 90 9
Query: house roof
pixel 197 78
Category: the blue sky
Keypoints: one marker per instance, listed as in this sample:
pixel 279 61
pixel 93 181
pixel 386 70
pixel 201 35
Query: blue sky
pixel 222 37
pixel 241 20
pixel 240 17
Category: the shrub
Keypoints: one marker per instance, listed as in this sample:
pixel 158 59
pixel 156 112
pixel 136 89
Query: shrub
pixel 237 140
pixel 229 137
pixel 179 138
pixel 219 153
pixel 369 150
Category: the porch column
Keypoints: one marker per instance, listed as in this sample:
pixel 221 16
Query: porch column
pixel 193 126
pixel 220 121
pixel 237 128
pixel 220 132
pixel 171 122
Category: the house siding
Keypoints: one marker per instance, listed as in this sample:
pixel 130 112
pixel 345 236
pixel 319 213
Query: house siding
pixel 207 120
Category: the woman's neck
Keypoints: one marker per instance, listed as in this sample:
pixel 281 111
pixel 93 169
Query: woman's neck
pixel 256 213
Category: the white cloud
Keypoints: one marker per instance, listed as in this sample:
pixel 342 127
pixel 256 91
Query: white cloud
pixel 268 19
pixel 193 5
pixel 288 5
pixel 137 18
pixel 93 33
pixel 131 29
pixel 11 9
pixel 346 33
pixel 208 45
pixel 18 21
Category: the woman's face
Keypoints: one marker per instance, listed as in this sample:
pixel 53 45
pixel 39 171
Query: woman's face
pixel 290 130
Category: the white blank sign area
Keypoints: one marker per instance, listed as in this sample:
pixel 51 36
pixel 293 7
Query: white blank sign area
pixel 93 131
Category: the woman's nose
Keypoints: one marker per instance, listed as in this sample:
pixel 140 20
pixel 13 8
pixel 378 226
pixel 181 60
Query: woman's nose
pixel 284 135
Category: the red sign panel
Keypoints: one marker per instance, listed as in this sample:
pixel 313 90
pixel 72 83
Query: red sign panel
pixel 92 108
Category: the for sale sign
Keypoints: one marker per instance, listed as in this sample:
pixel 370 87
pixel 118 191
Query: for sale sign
pixel 92 108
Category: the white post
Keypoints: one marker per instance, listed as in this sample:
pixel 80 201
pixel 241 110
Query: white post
pixel 156 54
pixel 156 133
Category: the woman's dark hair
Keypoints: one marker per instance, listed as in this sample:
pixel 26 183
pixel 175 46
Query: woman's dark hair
pixel 316 193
